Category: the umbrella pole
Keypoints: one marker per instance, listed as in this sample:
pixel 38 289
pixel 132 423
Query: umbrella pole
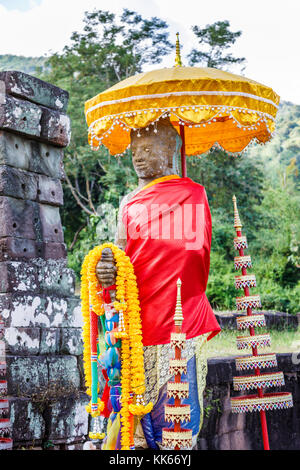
pixel 183 156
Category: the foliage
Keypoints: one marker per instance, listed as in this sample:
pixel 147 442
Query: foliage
pixel 214 40
pixel 29 65
pixel 109 49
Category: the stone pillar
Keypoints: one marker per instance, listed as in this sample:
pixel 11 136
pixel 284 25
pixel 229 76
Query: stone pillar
pixel 38 306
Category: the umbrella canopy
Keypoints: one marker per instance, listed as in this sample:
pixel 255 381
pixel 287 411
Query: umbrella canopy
pixel 216 108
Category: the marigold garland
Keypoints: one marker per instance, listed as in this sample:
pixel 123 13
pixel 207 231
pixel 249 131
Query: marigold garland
pixel 130 332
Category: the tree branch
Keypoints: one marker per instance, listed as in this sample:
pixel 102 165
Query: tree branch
pixel 86 210
pixel 75 237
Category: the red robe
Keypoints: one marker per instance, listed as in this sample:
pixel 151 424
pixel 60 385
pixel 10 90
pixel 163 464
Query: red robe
pixel 169 236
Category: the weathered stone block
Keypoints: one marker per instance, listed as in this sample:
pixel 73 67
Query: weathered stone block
pixel 71 341
pixel 17 249
pixel 50 339
pixel 23 153
pixel 63 369
pixel 22 341
pixel 26 375
pixel 26 86
pixel 69 419
pixel 15 151
pixel 46 160
pixel 30 220
pixel 221 370
pixel 51 224
pixel 27 421
pixel 31 310
pixel 74 313
pixel 54 251
pixel 18 277
pixel 55 127
pixel 34 311
pixel 18 183
pixel 17 218
pixel 55 278
pixel 20 116
pixel 49 191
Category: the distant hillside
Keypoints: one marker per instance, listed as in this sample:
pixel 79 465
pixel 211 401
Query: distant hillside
pixel 21 63
pixel 284 149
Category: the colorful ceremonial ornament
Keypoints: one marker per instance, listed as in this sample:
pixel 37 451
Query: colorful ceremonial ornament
pixel 261 401
pixel 177 438
pixel 122 363
pixel 208 107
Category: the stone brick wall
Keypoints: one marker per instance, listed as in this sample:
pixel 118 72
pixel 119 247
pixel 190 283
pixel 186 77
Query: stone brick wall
pixel 40 312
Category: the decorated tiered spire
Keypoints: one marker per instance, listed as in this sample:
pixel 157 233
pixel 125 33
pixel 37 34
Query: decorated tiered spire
pixel 260 401
pixel 176 437
pixel 178 62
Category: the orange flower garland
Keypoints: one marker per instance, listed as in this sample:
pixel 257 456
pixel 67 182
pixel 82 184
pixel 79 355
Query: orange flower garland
pixel 130 331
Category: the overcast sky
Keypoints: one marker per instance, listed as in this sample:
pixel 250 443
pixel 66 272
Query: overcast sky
pixel 270 40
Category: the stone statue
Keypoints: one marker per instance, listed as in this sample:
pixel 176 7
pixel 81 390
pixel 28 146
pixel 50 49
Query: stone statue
pixel 154 155
pixel 158 261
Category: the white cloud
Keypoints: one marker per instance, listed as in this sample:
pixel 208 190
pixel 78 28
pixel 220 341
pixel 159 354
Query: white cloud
pixel 270 39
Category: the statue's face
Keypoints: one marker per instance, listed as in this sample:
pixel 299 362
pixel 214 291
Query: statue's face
pixel 152 153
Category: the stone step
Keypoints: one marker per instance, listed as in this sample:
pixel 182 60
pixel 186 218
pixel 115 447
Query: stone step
pixel 31 88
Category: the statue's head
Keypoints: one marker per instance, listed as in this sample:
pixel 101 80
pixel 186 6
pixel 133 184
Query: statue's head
pixel 154 151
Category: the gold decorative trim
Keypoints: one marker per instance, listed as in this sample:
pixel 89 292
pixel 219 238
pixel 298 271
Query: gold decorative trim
pixel 261 341
pixel 240 242
pixel 182 439
pixel 178 366
pixel 242 262
pixel 252 301
pixel 270 401
pixel 177 414
pixel 237 220
pixel 247 280
pixel 248 321
pixel 178 340
pixel 178 389
pixel 274 379
pixel 261 361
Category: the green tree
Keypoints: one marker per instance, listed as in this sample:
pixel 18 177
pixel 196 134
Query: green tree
pixel 214 41
pixel 109 49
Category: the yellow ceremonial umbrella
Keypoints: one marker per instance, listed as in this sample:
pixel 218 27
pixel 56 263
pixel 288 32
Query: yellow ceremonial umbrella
pixel 207 106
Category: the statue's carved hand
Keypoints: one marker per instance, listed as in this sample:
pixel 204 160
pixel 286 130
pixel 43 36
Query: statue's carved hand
pixel 106 273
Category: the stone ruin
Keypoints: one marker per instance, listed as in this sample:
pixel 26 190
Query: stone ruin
pixel 41 363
